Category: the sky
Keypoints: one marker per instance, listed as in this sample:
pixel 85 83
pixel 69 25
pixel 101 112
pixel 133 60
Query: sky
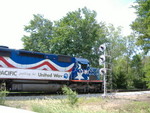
pixel 15 14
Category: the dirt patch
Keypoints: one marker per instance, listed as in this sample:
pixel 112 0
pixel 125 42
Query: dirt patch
pixel 144 97
pixel 122 103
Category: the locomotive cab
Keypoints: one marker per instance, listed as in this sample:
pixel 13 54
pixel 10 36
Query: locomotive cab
pixel 81 70
pixel 84 78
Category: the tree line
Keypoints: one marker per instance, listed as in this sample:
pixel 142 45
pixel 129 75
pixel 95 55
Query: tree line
pixel 79 34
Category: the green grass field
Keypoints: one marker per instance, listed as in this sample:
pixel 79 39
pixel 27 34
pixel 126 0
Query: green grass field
pixel 84 105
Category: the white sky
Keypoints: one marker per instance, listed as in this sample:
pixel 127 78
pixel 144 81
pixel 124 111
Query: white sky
pixel 14 14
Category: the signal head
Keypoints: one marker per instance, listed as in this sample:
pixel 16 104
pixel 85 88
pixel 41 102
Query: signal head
pixel 103 71
pixel 102 48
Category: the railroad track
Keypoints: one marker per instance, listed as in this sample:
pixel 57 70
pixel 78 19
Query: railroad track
pixel 128 90
pixel 54 96
pixel 28 94
pixel 39 93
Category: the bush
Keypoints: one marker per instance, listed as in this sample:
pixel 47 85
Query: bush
pixel 71 96
pixel 3 94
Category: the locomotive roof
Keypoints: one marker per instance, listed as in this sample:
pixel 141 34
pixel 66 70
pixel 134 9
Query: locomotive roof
pixel 5 48
pixel 44 55
pixel 82 60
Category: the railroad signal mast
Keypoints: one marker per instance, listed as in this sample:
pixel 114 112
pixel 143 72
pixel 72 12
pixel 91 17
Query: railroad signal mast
pixel 104 71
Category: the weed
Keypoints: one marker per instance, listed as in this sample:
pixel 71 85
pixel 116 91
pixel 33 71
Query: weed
pixel 3 94
pixel 71 96
pixel 49 106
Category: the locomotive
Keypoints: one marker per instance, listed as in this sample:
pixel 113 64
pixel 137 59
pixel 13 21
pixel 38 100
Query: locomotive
pixel 29 71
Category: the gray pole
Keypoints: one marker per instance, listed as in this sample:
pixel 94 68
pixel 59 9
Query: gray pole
pixel 105 90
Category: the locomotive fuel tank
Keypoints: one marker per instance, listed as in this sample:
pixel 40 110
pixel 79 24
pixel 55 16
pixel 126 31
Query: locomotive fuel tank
pixel 34 86
pixel 50 88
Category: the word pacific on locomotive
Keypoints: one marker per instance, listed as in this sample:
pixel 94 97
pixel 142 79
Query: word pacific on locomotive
pixel 29 71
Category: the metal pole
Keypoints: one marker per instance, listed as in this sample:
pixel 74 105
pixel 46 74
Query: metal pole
pixel 104 76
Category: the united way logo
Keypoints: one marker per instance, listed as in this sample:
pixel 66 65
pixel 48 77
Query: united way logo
pixel 65 75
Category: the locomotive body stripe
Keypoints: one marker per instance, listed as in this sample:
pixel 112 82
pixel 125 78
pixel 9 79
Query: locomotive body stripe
pixel 4 62
pixel 45 64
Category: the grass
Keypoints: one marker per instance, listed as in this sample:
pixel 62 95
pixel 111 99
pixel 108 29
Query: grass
pixel 3 94
pixel 85 105
pixel 136 107
pixel 73 104
pixel 57 106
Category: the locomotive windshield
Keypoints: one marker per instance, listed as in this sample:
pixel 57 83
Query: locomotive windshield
pixel 84 66
pixel 83 62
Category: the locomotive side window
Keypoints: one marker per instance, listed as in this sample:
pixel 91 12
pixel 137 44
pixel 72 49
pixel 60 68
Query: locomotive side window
pixel 5 53
pixel 31 55
pixel 62 58
pixel 84 66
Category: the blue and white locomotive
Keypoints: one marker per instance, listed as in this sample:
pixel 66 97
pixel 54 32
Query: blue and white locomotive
pixel 29 71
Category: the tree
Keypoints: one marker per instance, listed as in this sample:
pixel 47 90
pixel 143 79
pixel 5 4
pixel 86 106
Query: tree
pixel 117 41
pixel 146 69
pixel 40 34
pixel 116 48
pixel 78 34
pixel 121 48
pixel 141 25
pixel 137 71
pixel 120 76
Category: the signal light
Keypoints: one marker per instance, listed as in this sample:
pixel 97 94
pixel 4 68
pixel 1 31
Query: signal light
pixel 102 48
pixel 102 59
pixel 103 71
